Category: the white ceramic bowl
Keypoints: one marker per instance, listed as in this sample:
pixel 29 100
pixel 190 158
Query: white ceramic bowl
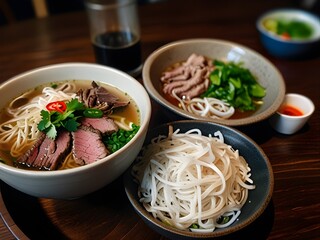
pixel 266 73
pixel 76 182
pixel 288 123
pixel 290 48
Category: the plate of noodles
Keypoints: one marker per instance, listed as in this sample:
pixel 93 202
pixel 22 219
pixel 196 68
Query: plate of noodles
pixel 197 179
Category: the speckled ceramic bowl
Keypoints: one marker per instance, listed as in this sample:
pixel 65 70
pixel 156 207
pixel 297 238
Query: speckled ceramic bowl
pixel 258 199
pixel 290 48
pixel 265 72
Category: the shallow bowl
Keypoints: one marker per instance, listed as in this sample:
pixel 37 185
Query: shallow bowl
pixel 265 72
pixel 290 48
pixel 258 199
pixel 76 182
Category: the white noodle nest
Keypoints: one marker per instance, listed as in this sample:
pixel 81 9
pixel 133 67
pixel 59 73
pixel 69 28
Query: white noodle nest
pixel 188 178
pixel 22 130
pixel 206 107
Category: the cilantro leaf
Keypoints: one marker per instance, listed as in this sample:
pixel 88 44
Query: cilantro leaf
pixel 45 122
pixel 52 120
pixel 51 131
pixel 71 125
pixel 74 105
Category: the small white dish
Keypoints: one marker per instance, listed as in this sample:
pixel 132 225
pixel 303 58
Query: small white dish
pixel 288 120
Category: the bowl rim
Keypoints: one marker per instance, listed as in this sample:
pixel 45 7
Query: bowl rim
pixel 305 98
pixel 308 16
pixel 229 122
pixel 128 182
pixel 143 125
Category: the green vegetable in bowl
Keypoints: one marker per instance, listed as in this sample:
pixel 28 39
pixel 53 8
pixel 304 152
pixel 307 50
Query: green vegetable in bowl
pixel 289 29
pixel 120 138
pixel 232 83
pixel 60 114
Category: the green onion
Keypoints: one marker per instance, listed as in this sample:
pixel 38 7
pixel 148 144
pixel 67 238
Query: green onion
pixel 120 138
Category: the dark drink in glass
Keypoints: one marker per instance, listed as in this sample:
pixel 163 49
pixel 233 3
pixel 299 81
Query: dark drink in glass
pixel 120 50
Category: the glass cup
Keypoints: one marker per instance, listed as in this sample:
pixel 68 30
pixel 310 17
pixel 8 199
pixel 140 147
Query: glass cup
pixel 115 34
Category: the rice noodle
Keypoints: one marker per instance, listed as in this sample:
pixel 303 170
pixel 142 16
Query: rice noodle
pixel 206 107
pixel 122 122
pixel 188 178
pixel 21 131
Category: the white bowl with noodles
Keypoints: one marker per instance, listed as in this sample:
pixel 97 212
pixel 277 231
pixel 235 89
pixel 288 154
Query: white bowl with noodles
pixel 79 181
pixel 186 181
pixel 264 72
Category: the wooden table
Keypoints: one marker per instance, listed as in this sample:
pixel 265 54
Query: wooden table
pixel 294 212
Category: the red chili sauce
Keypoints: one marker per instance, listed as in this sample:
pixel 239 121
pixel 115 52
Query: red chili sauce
pixel 290 111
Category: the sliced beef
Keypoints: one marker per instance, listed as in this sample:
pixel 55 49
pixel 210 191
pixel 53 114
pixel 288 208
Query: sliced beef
pixel 105 125
pixel 87 145
pixel 30 155
pixel 47 153
pixel 100 98
pixel 188 80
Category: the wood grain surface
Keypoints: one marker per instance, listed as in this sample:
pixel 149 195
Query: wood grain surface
pixel 294 212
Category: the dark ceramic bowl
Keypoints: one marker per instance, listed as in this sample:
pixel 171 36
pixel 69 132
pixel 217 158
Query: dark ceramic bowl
pixel 262 176
pixel 290 48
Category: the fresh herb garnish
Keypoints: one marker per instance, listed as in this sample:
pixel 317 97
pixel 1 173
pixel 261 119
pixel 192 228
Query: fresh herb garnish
pixel 194 226
pixel 223 219
pixel 232 83
pixel 52 120
pixel 117 140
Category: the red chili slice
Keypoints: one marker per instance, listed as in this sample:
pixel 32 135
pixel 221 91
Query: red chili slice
pixel 57 106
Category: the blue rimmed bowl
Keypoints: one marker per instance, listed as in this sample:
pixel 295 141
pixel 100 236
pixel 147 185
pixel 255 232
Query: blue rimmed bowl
pixel 258 199
pixel 291 48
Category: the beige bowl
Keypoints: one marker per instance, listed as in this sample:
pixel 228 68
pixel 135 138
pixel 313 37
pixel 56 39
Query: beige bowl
pixel 76 182
pixel 267 74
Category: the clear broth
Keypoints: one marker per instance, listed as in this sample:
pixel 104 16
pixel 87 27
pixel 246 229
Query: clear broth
pixel 130 113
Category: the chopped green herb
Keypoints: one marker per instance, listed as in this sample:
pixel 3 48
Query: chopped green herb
pixel 54 85
pixel 120 138
pixel 232 83
pixel 52 120
pixel 194 226
pixel 223 220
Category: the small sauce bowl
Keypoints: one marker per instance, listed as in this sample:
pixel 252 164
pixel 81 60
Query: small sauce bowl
pixel 293 113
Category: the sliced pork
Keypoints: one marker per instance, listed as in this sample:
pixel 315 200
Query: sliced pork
pixel 88 146
pixel 47 153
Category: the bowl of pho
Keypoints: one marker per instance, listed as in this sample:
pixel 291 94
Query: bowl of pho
pixel 214 80
pixel 69 129
pixel 195 179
